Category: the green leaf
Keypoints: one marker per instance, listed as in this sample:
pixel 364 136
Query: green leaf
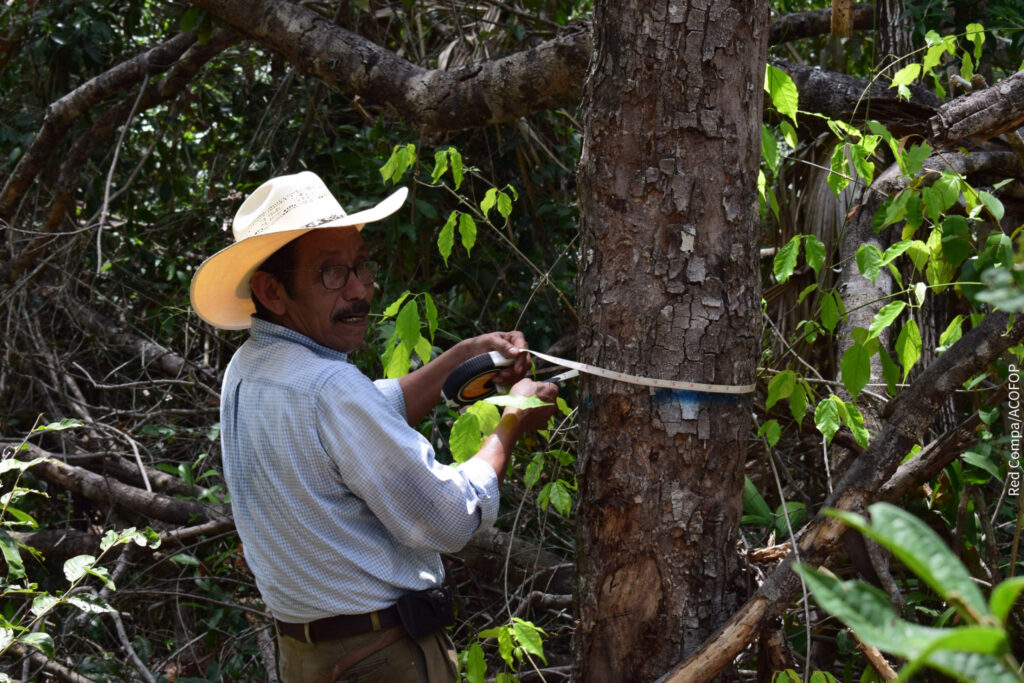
pixel 398 363
pixel 392 309
pixel 838 176
pixel 953 332
pixel 465 438
pixel 915 158
pixel 430 311
pixel 855 421
pixel 475 664
pixel 829 311
pixel 908 346
pixel 769 149
pixel 467 231
pixel 781 386
pixel 407 324
pixel 489 201
pixel 92 604
pixel 487 414
pixel 504 205
pixel 826 418
pixel 529 637
pixel 771 431
pixel 919 254
pixel 885 317
pixel 956 242
pixel 785 259
pixel 423 349
pixel 1004 596
pixel 976 34
pixel 798 403
pixel 446 239
pixel 515 401
pixel 15 568
pixel 782 90
pixel 869 261
pixel 402 158
pixel 457 169
pixel 855 367
pixel 77 567
pixel 924 553
pixel 40 641
pixel 66 423
pixel 555 493
pixel 754 506
pixel 906 76
pixel 440 165
pixel 993 204
pixel 533 470
pixel 43 603
pixel 890 371
pixel 814 250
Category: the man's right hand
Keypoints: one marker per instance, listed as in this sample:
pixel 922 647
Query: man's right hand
pixel 532 419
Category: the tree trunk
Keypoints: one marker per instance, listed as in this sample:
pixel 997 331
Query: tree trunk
pixel 668 287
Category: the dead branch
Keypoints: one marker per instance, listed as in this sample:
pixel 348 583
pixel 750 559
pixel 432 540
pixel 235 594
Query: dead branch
pixel 816 22
pixel 983 113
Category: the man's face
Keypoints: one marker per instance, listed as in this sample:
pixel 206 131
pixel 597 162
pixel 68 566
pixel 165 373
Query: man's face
pixel 332 318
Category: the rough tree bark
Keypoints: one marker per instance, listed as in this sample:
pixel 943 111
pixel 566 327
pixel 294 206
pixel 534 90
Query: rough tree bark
pixel 668 287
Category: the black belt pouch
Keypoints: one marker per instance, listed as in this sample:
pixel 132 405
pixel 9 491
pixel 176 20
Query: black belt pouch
pixel 426 611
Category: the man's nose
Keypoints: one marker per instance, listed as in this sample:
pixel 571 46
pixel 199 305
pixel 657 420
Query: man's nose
pixel 355 289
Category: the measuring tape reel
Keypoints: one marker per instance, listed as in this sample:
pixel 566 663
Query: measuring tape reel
pixel 474 379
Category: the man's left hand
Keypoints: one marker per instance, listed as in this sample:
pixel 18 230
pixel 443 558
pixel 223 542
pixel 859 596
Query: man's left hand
pixel 508 344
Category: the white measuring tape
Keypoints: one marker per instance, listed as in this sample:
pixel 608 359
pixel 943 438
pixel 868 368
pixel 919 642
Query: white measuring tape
pixel 642 381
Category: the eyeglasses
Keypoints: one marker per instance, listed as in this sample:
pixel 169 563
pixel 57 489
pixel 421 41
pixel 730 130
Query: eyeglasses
pixel 336 277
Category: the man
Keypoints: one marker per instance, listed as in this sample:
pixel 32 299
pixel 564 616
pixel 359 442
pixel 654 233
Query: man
pixel 339 503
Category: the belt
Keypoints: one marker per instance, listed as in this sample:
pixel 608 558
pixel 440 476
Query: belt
pixel 340 626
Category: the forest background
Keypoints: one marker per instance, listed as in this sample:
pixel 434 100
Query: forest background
pixel 864 271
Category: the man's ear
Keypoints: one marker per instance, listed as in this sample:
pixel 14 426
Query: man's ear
pixel 269 290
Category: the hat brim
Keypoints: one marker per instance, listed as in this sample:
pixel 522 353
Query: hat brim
pixel 220 292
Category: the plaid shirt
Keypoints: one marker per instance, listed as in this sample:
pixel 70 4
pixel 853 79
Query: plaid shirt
pixel 339 503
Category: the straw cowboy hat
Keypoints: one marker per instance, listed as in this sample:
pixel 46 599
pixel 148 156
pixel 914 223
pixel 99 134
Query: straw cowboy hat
pixel 280 210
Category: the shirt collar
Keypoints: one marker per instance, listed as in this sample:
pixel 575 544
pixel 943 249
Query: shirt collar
pixel 265 331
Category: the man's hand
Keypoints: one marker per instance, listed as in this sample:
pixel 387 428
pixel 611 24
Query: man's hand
pixel 532 419
pixel 507 344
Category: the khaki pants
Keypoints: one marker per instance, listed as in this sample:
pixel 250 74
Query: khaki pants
pixel 430 659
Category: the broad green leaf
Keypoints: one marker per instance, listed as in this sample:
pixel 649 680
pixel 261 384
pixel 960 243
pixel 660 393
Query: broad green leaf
pixel 771 431
pixel 66 423
pixel 814 250
pixel 923 552
pixel 838 178
pixel 829 311
pixel 953 332
pixel 894 251
pixel 91 604
pixel 972 667
pixel 920 293
pixel 446 239
pixel 503 635
pixel 440 165
pixel 488 415
pixel 9 464
pixel 956 241
pixel 78 566
pixel 993 204
pixel 43 603
pixel 529 637
pixel 885 317
pixel 754 505
pixel 915 158
pixel 855 421
pixel 475 664
pixel 15 567
pixel 129 535
pixel 423 349
pixel 557 495
pixel 855 367
pixel 782 90
pixel 457 169
pixel 465 438
pixel 489 201
pixel 908 346
pixel 467 231
pixel 919 254
pixel 407 324
pixel 398 362
pixel 805 291
pixel 504 204
pixel 430 311
pixel 402 158
pixel 976 34
pixel 869 261
pixel 533 470
pixel 890 371
pixel 1004 596
pixel 40 641
pixel 781 386
pixel 515 401
pixel 785 259
pixel 789 134
pixel 826 418
pixel 798 403
pixel 906 76
pixel 393 308
pixel 966 66
pixel 860 155
pixel 769 149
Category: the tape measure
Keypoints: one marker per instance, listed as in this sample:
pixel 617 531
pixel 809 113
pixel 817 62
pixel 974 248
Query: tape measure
pixel 473 379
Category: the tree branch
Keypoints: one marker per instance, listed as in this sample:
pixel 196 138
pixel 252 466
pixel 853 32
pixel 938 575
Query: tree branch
pixel 911 414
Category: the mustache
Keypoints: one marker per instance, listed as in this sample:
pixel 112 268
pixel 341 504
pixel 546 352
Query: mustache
pixel 357 307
